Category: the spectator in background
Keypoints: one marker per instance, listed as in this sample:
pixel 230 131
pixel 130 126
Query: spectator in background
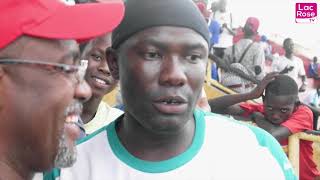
pixel 203 9
pixel 291 65
pixel 214 28
pixel 248 56
pixel 313 68
pixel 224 18
pixel 267 48
pixel 96 113
pixel 281 114
pixel 312 99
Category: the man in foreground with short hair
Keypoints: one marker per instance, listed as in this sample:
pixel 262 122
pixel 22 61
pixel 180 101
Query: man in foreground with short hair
pixel 42 83
pixel 159 53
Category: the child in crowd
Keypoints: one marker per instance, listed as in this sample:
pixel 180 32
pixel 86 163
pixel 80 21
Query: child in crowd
pixel 281 114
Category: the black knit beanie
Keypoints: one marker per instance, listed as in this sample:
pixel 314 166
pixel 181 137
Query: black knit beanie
pixel 143 14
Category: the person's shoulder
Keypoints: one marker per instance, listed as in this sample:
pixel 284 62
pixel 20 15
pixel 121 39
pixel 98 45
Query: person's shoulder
pixel 100 133
pixel 305 110
pixel 242 128
pixel 115 111
pixel 282 58
pixel 296 58
pixel 243 41
pixel 234 127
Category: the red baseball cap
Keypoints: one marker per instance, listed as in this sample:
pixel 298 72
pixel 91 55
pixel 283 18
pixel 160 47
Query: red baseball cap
pixel 254 22
pixel 52 19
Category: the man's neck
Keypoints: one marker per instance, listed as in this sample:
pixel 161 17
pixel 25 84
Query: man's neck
pixel 289 55
pixel 150 146
pixel 8 172
pixel 248 36
pixel 90 109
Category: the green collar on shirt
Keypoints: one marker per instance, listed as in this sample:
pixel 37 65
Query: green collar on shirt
pixel 162 166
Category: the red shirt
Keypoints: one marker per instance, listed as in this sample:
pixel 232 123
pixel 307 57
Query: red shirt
pixel 300 120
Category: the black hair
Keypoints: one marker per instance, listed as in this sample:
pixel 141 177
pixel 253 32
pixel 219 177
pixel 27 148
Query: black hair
pixel 315 58
pixel 286 41
pixel 282 85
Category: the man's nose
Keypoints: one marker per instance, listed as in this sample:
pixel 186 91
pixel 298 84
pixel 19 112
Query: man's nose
pixel 172 73
pixel 104 68
pixel 275 116
pixel 82 91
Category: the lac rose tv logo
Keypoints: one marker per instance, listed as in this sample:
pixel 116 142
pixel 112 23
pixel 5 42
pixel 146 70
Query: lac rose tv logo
pixel 306 12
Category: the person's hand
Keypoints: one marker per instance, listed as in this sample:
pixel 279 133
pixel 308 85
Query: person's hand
pixel 224 25
pixel 257 92
pixel 256 116
pixel 303 88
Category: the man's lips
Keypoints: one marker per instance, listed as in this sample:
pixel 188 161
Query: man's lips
pixel 170 104
pixel 72 128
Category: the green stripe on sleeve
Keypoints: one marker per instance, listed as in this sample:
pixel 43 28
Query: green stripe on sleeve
pixel 51 175
pixel 267 140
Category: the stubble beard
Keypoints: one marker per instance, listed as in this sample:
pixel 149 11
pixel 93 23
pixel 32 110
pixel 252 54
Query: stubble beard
pixel 66 155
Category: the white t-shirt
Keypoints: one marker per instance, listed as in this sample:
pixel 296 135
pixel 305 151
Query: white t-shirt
pixel 225 38
pixel 105 114
pixel 298 68
pixel 222 149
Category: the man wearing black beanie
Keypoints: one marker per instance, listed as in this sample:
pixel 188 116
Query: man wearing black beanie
pixel 159 53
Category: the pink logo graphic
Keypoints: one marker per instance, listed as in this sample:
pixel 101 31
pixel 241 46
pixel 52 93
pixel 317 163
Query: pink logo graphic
pixel 306 12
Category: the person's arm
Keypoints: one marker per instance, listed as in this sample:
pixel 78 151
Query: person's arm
pixel 221 63
pixel 259 60
pixel 303 86
pixel 302 74
pixel 228 104
pixel 277 131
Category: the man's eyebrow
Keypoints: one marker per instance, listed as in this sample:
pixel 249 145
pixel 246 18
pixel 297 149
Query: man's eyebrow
pixel 72 54
pixel 154 42
pixel 188 46
pixel 195 46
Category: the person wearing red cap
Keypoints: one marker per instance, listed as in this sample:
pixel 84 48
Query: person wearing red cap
pixel 160 61
pixel 42 80
pixel 246 55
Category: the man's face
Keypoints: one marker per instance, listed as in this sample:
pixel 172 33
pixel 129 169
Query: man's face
pixel 248 29
pixel 42 104
pixel 289 46
pixel 162 70
pixel 279 108
pixel 98 74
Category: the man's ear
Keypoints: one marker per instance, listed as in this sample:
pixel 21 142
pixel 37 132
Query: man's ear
pixel 112 60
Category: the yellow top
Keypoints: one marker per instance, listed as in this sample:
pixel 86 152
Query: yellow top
pixel 105 114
